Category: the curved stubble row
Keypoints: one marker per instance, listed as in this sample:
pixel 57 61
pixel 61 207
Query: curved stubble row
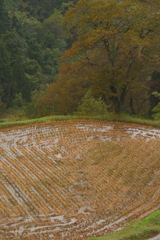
pixel 72 180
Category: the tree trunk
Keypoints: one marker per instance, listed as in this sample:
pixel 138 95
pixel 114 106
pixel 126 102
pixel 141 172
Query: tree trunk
pixel 131 106
pixel 118 101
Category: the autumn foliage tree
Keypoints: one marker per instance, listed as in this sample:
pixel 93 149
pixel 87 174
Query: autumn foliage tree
pixel 115 52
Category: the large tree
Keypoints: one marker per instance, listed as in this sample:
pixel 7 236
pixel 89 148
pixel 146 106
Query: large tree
pixel 115 51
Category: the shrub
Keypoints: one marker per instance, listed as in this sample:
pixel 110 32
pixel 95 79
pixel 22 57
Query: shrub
pixel 91 107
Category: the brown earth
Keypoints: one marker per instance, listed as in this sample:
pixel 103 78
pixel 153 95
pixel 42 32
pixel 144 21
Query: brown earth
pixel 75 179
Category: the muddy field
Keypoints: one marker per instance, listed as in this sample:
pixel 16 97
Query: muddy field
pixel 76 179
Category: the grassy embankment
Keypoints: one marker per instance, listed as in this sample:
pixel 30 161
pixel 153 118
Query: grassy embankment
pixel 137 230
pixel 109 117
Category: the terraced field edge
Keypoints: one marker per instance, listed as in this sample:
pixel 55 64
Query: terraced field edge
pixel 109 117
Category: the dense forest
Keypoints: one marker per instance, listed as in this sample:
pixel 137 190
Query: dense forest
pixel 61 56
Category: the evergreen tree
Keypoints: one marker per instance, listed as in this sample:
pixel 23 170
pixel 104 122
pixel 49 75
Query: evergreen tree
pixel 31 41
pixel 5 74
pixel 4 21
pixel 22 82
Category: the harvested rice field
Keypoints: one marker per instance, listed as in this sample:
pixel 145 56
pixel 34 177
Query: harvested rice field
pixel 76 179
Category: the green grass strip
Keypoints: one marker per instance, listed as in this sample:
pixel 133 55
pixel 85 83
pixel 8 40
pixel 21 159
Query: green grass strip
pixel 36 120
pixel 129 119
pixel 137 230
pixel 108 117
